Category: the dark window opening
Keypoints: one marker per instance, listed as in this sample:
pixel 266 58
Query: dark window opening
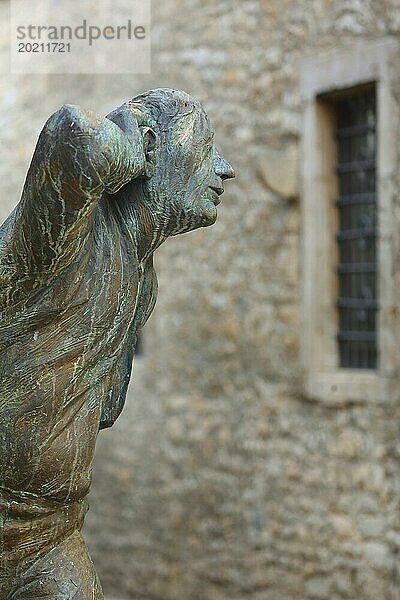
pixel 357 211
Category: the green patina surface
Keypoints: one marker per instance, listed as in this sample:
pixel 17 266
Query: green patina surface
pixel 77 284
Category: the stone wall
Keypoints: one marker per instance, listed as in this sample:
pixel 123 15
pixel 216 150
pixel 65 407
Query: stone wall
pixel 221 481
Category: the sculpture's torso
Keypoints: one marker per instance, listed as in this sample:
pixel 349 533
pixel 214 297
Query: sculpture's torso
pixel 66 350
pixel 73 295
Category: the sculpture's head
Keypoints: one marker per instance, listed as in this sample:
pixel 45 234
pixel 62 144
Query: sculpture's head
pixel 184 170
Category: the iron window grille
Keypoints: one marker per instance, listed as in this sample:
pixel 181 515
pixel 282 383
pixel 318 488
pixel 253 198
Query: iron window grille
pixel 357 211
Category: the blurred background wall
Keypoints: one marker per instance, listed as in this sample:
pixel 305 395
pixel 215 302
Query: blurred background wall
pixel 223 479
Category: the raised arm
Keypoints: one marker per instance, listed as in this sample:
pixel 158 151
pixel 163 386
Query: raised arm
pixel 79 155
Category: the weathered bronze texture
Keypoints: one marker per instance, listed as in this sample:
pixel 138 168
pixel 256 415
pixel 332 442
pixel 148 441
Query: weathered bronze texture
pixel 77 284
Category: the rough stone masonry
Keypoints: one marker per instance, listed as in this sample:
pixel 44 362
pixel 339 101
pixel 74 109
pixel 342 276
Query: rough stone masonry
pixel 226 481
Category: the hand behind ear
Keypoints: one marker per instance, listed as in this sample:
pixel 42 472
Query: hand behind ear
pixel 126 120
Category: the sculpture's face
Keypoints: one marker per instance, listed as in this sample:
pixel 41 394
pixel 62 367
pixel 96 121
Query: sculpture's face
pixel 189 173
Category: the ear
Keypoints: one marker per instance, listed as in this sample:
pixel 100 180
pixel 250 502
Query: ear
pixel 127 120
pixel 150 147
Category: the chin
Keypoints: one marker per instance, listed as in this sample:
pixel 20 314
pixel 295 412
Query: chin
pixel 203 215
pixel 210 218
pixel 208 215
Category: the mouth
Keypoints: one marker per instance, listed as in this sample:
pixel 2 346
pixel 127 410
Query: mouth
pixel 217 192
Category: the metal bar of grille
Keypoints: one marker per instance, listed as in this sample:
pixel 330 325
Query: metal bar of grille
pixel 353 234
pixel 354 130
pixel 352 199
pixel 357 268
pixel 363 303
pixel 357 301
pixel 359 165
pixel 357 336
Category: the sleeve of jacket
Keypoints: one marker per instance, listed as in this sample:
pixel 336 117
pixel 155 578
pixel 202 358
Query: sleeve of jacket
pixel 79 155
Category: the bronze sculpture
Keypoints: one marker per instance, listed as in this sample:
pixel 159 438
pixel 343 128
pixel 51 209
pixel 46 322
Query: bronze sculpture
pixel 77 283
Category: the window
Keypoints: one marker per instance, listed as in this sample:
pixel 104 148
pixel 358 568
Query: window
pixel 349 347
pixel 356 237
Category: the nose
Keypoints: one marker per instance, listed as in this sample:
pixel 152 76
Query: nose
pixel 222 168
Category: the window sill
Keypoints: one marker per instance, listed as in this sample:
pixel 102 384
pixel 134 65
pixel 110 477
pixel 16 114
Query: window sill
pixel 346 386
